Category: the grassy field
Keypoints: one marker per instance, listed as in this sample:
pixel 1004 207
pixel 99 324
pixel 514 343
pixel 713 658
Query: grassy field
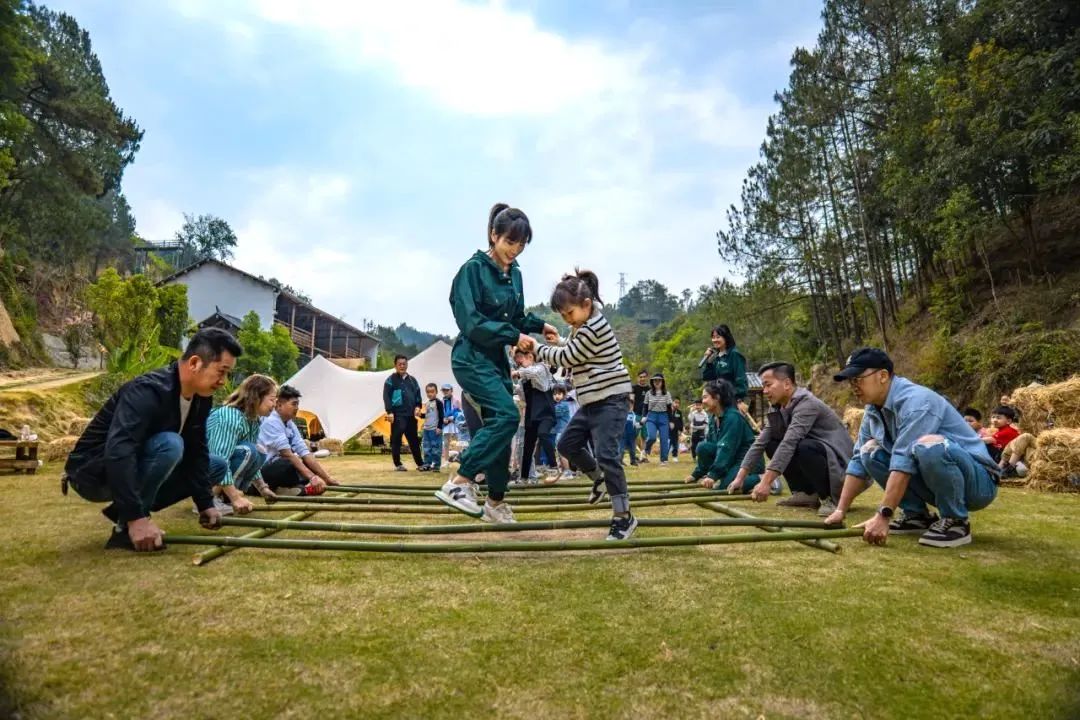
pixel 741 631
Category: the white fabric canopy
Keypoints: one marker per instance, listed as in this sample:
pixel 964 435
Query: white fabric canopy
pixel 347 401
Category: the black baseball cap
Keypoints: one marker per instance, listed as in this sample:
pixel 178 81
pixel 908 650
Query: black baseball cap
pixel 862 360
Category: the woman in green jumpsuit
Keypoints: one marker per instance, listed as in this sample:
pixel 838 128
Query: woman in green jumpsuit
pixel 726 443
pixel 489 307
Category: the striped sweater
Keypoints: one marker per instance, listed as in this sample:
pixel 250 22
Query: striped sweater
pixel 593 355
pixel 225 429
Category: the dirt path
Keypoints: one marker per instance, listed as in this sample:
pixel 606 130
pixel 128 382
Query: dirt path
pixel 43 378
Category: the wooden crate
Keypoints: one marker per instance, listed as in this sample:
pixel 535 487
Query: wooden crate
pixel 26 457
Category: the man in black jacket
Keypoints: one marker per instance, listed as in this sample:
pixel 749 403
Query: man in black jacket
pixel 401 399
pixel 146 448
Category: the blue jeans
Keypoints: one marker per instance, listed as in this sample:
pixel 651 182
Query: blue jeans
pixel 244 464
pixel 947 478
pixel 158 460
pixel 657 424
pixel 432 444
pixel 628 442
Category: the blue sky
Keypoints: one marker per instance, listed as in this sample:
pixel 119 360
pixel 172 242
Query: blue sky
pixel 355 147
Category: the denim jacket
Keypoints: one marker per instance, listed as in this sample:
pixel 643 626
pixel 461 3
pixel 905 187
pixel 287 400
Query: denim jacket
pixel 910 412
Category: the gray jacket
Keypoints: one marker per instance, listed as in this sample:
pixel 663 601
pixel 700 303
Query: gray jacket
pixel 804 417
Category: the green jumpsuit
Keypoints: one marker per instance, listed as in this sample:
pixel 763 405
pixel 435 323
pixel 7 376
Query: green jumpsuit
pixel 489 308
pixel 730 366
pixel 721 453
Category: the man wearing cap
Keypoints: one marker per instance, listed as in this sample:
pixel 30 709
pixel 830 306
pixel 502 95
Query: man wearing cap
pixel 916 445
pixel 805 441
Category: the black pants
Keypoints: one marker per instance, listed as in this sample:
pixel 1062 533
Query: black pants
pixel 600 423
pixel 405 424
pixel 279 472
pixel 536 431
pixel 695 440
pixel 808 470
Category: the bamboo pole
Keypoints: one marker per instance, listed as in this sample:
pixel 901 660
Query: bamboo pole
pixel 466 528
pixel 736 513
pixel 515 502
pixel 440 508
pixel 511 546
pixel 561 485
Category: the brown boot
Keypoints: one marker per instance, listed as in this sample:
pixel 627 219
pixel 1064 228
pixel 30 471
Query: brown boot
pixel 800 499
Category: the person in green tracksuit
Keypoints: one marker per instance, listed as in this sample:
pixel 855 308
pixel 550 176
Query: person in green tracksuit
pixel 723 361
pixel 489 308
pixel 726 443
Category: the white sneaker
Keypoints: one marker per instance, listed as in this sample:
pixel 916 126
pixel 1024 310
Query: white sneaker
pixel 567 475
pixel 497 514
pixel 663 464
pixel 827 508
pixel 674 459
pixel 223 507
pixel 460 497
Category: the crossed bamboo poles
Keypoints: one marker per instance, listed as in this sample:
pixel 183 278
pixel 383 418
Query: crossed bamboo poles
pixel 530 499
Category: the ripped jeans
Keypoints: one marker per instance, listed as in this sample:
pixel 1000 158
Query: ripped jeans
pixel 947 478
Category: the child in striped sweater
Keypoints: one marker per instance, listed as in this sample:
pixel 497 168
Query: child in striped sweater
pixel 601 382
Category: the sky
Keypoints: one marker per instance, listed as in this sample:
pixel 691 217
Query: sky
pixel 356 147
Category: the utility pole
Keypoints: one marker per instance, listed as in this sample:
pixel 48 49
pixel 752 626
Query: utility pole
pixel 622 285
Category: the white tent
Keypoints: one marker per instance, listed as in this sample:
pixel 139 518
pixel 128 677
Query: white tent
pixel 347 401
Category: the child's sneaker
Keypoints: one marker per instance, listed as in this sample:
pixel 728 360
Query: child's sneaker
pixel 498 514
pixel 460 497
pixel 596 494
pixel 622 527
pixel 567 475
pixel 947 532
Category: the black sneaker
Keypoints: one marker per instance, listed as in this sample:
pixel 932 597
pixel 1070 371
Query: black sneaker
pixel 598 491
pixel 911 524
pixel 622 527
pixel 119 540
pixel 947 532
pixel 110 512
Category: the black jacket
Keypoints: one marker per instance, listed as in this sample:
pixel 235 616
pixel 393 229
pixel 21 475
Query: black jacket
pixel 677 418
pixel 107 453
pixel 539 404
pixel 639 399
pixel 407 401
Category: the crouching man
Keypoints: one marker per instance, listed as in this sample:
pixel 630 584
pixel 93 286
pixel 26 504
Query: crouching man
pixel 146 448
pixel 918 447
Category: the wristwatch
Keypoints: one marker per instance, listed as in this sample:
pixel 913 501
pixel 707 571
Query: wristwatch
pixel 885 511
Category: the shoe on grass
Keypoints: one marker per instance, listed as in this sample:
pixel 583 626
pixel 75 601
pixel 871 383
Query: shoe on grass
pixel 599 489
pixel 288 491
pixel 800 499
pixel 947 532
pixel 622 527
pixel 912 524
pixel 460 497
pixel 828 507
pixel 223 507
pixel 400 468
pixel 119 540
pixel 498 514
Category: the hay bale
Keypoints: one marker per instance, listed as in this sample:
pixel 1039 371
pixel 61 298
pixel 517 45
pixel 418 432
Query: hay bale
pixel 853 420
pixel 1055 465
pixel 336 447
pixel 1039 404
pixel 60 448
pixel 77 426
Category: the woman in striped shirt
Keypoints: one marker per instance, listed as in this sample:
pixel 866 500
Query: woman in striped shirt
pixel 593 355
pixel 658 417
pixel 231 433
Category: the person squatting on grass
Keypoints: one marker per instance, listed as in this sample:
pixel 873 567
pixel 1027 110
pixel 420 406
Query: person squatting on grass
pixel 232 434
pixel 290 467
pixel 727 441
pixel 402 401
pixel 918 447
pixel 602 385
pixel 489 307
pixel 658 416
pixel 146 448
pixel 433 417
pixel 806 443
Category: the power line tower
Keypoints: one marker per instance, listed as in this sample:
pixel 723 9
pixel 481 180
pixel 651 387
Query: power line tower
pixel 622 285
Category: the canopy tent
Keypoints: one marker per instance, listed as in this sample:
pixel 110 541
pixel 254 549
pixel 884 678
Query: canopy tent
pixel 345 402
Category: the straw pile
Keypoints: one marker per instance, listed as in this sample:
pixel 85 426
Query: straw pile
pixel 59 449
pixel 336 447
pixel 853 420
pixel 1055 465
pixel 77 426
pixel 1039 403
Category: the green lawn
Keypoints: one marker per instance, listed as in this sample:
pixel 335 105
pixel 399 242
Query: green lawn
pixel 773 630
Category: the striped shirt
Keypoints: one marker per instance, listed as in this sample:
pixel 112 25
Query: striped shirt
pixel 657 402
pixel 592 353
pixel 225 429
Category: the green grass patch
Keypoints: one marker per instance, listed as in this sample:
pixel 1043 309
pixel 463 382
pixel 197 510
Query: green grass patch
pixel 779 630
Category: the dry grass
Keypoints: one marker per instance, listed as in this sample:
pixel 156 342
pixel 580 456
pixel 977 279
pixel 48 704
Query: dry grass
pixel 776 630
pixel 51 414
pixel 852 419
pixel 1055 465
pixel 1040 403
